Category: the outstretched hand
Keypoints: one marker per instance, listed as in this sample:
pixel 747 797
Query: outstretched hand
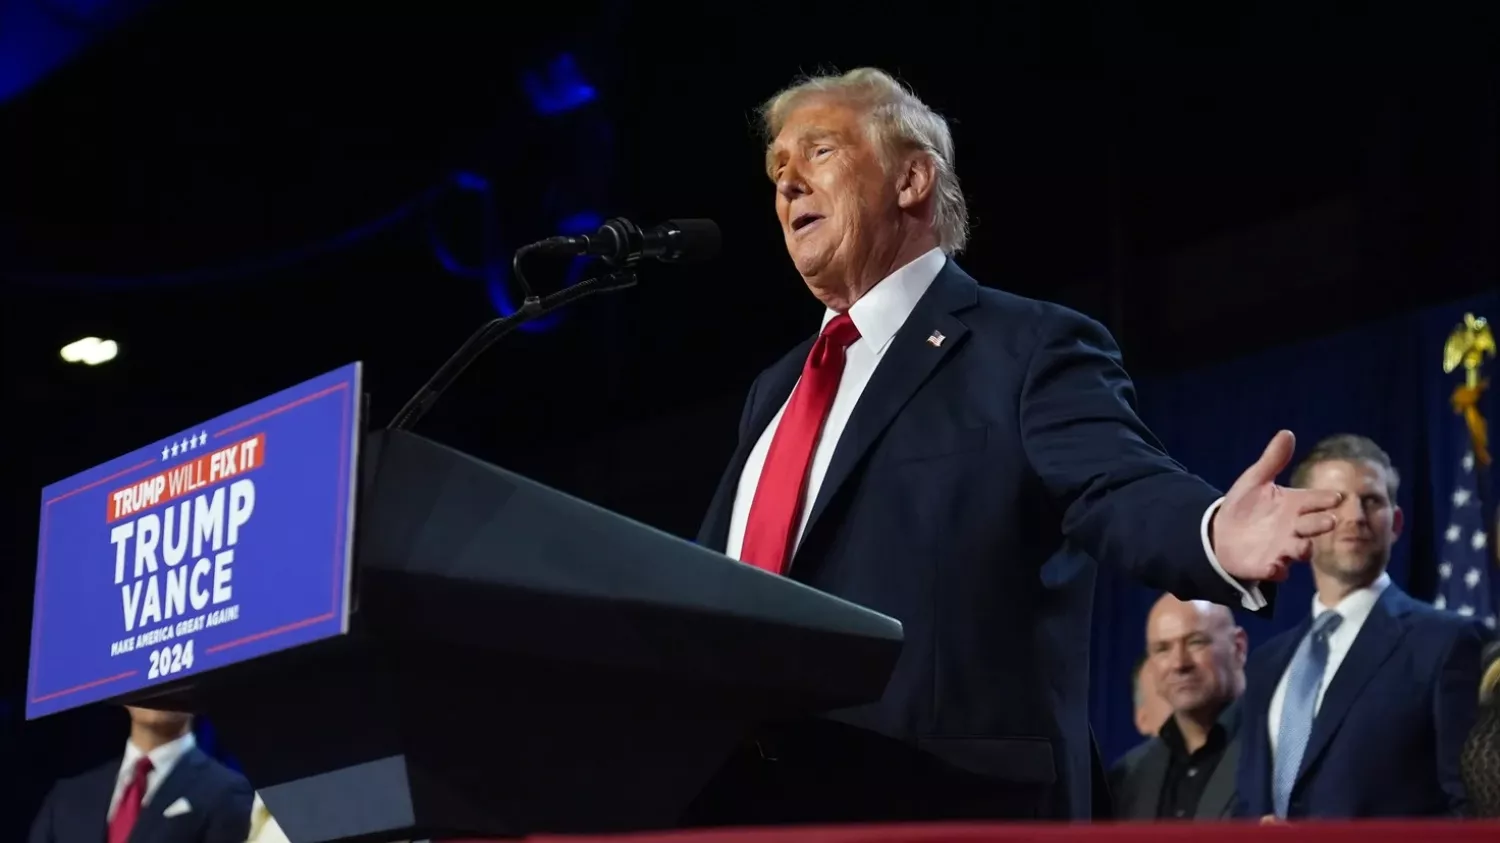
pixel 1261 528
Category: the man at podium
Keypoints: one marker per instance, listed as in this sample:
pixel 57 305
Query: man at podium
pixel 163 790
pixel 955 457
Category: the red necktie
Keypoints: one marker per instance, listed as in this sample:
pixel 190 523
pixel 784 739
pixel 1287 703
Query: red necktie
pixel 776 511
pixel 129 809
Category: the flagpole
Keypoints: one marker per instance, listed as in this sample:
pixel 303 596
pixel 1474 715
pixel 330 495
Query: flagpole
pixel 1467 346
pixel 1468 582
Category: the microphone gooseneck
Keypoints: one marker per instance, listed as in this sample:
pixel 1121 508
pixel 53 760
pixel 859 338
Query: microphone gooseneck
pixel 491 332
pixel 619 242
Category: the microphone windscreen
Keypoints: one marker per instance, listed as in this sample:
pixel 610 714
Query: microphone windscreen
pixel 697 240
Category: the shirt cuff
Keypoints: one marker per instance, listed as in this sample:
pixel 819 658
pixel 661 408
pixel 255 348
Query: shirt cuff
pixel 1250 598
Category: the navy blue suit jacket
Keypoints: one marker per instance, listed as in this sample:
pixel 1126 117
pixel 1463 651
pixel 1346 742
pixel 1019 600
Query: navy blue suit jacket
pixel 972 488
pixel 1387 738
pixel 77 809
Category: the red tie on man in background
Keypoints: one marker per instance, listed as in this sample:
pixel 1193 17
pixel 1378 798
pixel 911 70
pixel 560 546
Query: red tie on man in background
pixel 776 511
pixel 129 809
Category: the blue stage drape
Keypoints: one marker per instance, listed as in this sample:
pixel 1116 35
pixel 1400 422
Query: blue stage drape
pixel 1383 380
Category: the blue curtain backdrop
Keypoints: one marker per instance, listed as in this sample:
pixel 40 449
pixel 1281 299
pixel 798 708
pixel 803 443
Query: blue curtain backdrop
pixel 1383 380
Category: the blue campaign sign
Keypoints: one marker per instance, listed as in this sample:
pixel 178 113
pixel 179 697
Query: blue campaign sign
pixel 228 541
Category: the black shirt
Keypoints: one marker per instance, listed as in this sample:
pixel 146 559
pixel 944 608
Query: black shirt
pixel 1188 773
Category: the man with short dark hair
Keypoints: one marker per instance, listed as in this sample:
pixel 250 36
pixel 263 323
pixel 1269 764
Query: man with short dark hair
pixel 1362 709
pixel 165 790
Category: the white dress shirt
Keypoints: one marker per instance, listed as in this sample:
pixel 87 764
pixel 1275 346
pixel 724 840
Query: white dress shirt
pixel 1354 608
pixel 878 315
pixel 163 759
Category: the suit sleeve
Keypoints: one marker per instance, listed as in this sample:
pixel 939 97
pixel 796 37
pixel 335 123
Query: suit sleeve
pixel 1455 706
pixel 41 826
pixel 229 822
pixel 1124 501
pixel 1246 782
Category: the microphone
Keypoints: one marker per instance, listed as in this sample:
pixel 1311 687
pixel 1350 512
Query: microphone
pixel 490 332
pixel 620 242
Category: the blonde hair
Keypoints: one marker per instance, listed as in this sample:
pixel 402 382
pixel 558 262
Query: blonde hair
pixel 899 122
pixel 1489 683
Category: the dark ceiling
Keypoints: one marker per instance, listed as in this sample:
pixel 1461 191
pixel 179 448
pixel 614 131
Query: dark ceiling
pixel 1133 164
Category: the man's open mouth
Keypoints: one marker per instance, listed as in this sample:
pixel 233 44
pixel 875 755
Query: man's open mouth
pixel 802 221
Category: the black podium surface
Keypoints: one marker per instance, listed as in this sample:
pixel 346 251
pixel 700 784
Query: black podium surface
pixel 520 661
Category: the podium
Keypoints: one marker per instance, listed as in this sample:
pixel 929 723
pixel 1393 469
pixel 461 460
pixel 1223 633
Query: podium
pixel 519 661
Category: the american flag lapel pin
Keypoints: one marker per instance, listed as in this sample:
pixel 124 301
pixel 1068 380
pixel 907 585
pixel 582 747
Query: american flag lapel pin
pixel 936 340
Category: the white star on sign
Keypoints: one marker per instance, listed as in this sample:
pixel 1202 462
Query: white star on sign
pixel 1471 579
pixel 174 449
pixel 1445 570
pixel 1468 461
pixel 184 444
pixel 1479 540
pixel 165 452
pixel 1461 497
pixel 1453 533
pixel 202 437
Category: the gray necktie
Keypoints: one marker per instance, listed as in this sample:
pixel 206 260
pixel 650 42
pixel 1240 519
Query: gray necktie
pixel 1303 682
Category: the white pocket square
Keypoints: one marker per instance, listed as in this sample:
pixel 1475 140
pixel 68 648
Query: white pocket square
pixel 178 808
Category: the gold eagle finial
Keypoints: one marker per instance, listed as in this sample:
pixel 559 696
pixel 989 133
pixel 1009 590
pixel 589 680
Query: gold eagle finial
pixel 1467 346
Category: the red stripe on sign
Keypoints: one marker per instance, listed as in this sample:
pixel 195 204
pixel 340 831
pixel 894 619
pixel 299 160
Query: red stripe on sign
pixel 186 478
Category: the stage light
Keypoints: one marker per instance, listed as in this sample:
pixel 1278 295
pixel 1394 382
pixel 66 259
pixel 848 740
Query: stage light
pixel 90 351
pixel 583 222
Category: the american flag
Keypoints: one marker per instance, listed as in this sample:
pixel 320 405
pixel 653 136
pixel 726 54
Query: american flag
pixel 1466 572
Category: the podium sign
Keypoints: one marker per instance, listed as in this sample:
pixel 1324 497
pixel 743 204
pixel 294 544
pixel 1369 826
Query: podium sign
pixel 228 541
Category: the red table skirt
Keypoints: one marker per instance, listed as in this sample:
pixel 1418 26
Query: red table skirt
pixel 1312 832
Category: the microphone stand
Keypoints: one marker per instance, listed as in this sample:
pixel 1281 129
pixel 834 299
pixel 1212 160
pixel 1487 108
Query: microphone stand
pixel 488 334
